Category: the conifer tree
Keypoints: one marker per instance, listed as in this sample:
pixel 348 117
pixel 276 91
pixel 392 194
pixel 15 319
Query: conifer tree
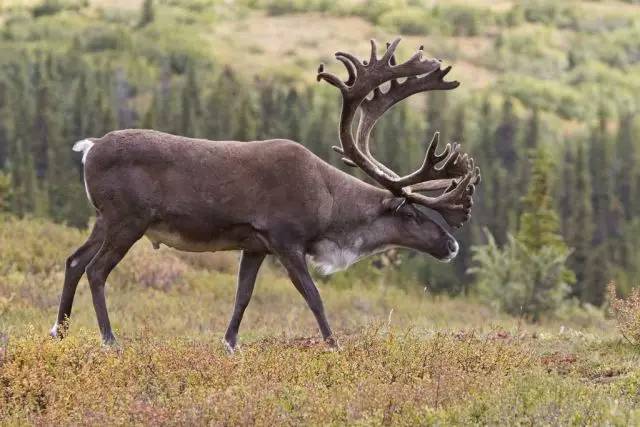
pixel 245 122
pixel 149 118
pixel 270 104
pixel 458 131
pixel 220 106
pixel 437 114
pixel 539 224
pixel 5 190
pixel 528 274
pixel 79 117
pixel 524 149
pixel 533 131
pixel 191 108
pixel 319 136
pixel 147 14
pixel 567 191
pixel 580 226
pixel 506 135
pixel 625 163
pixel 390 141
pixel 42 123
pixel 599 164
pixel 484 152
pixel 295 112
pixel 4 125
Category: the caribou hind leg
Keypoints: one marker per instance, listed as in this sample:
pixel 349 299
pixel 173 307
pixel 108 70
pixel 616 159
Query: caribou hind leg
pixel 74 269
pixel 249 265
pixel 118 240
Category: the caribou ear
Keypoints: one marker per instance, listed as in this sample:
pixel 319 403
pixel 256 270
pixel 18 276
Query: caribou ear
pixel 393 204
pixel 398 205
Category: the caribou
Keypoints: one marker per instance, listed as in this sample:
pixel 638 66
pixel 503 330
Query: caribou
pixel 274 196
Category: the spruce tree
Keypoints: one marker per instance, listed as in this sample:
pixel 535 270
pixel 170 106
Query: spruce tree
pixel 580 226
pixel 458 131
pixel 539 223
pixel 599 164
pixel 221 103
pixel 191 108
pixel 625 163
pixel 528 274
pixel 567 191
pixel 523 149
pixel 245 122
pixel 42 123
pixel 506 135
pixel 532 135
pixel 79 117
pixel 149 118
pixel 437 114
pixel 295 114
pixel 319 136
pixel 147 14
pixel 4 125
pixel 268 107
pixel 5 190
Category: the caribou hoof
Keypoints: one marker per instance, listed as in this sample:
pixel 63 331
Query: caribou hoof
pixel 229 347
pixel 332 343
pixel 111 344
pixel 53 333
pixel 58 331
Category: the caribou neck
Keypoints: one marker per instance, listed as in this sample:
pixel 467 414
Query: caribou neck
pixel 359 225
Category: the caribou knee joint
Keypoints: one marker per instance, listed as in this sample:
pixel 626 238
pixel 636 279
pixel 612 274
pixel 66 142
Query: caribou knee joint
pixel 72 262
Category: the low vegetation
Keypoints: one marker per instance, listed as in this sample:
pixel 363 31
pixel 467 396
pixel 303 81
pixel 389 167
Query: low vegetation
pixel 407 357
pixel 627 314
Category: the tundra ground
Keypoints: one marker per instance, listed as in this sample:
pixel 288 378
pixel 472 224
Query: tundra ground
pixel 407 357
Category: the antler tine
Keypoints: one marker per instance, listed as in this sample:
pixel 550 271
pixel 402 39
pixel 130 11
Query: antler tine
pixel 357 64
pixel 433 145
pixel 392 60
pixel 455 203
pixel 391 49
pixel 351 69
pixel 374 52
pixel 428 170
pixel 372 109
pixel 330 78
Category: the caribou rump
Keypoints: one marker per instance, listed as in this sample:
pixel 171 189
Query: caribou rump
pixel 273 197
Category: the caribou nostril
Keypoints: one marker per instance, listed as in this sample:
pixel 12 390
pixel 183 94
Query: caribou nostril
pixel 453 246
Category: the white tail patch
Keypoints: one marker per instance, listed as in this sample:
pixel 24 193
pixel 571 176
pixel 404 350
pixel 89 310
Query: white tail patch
pixel 83 146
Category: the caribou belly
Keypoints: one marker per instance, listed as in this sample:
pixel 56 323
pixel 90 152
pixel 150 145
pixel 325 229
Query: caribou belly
pixel 174 239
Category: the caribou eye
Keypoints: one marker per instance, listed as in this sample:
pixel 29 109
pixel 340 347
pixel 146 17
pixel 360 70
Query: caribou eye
pixel 408 212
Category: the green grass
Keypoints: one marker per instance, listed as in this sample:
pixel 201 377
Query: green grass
pixel 407 357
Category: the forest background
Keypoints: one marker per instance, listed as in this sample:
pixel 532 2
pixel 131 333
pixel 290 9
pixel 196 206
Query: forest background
pixel 548 106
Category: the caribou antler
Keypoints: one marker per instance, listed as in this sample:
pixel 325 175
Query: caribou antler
pixel 456 172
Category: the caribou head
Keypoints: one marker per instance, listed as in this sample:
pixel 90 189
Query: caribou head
pixel 451 172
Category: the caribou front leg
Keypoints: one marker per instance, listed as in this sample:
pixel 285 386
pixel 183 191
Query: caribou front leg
pixel 249 265
pixel 295 264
